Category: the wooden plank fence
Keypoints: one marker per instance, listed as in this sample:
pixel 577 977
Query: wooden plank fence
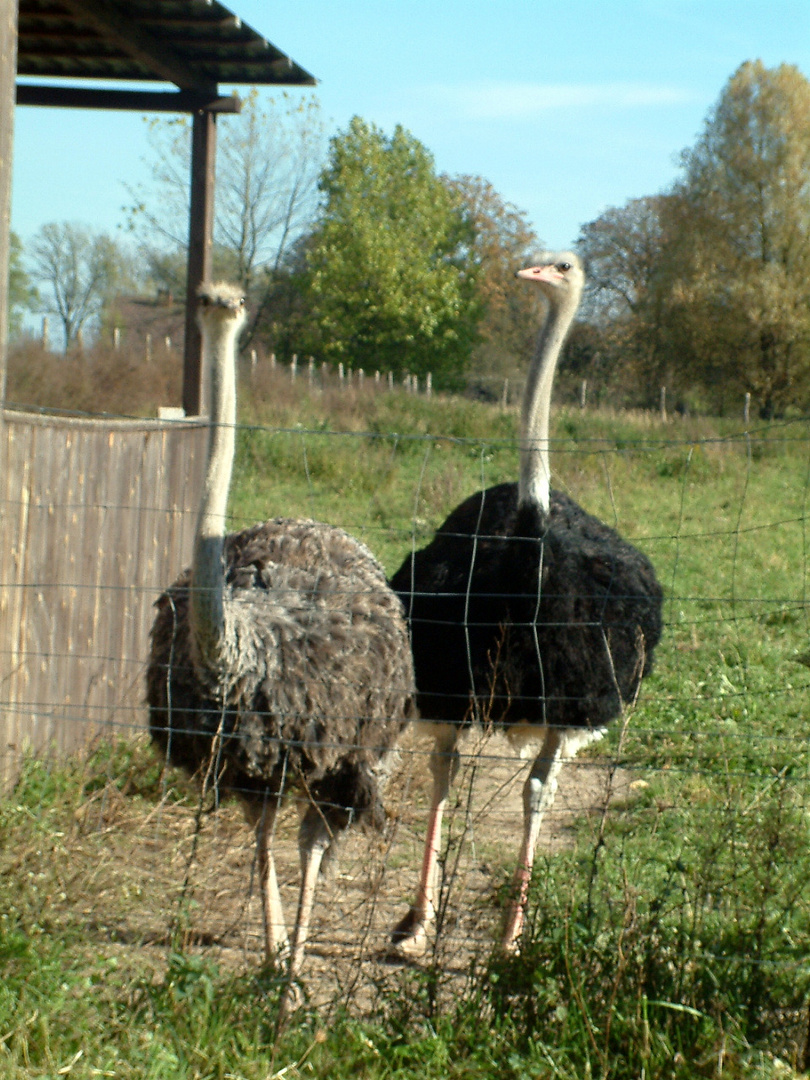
pixel 96 517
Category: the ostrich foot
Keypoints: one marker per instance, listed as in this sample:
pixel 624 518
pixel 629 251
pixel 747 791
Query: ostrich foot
pixel 292 999
pixel 277 956
pixel 512 932
pixel 409 936
pixel 510 946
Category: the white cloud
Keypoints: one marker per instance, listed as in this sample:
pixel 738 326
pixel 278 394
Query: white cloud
pixel 520 100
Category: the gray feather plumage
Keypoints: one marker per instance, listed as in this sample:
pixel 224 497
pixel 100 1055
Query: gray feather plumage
pixel 315 681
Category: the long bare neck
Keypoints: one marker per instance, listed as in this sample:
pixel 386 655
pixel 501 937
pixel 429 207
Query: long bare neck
pixel 207 612
pixel 534 484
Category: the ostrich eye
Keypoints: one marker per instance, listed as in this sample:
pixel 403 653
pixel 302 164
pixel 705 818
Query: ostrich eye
pixel 564 266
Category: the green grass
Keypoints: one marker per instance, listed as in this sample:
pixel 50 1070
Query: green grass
pixel 672 941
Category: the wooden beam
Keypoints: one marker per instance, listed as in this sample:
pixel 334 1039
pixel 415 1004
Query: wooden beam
pixel 8 73
pixel 201 228
pixel 74 97
pixel 140 44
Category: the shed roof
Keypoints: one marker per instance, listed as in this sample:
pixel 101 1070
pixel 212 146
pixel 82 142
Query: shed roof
pixel 194 44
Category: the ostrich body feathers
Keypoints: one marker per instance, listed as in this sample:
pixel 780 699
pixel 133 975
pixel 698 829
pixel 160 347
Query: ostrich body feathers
pixel 518 616
pixel 315 681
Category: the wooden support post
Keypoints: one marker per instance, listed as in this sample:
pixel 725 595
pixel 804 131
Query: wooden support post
pixel 8 74
pixel 429 385
pixel 747 407
pixel 201 225
pixel 583 394
pixel 664 404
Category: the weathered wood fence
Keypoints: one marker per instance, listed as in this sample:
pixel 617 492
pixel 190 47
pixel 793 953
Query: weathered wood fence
pixel 96 517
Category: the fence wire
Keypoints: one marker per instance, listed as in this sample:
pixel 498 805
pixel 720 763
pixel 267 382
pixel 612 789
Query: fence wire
pixel 712 758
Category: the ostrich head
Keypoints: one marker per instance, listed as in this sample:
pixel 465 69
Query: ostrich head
pixel 221 306
pixel 559 275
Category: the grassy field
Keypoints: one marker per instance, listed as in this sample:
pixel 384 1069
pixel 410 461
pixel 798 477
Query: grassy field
pixel 670 938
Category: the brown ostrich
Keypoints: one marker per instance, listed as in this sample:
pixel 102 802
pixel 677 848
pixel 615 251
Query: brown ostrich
pixel 279 661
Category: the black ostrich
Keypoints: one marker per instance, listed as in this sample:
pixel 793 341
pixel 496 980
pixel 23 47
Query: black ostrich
pixel 280 660
pixel 526 612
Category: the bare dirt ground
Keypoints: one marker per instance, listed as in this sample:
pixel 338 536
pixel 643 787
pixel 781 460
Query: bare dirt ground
pixel 122 877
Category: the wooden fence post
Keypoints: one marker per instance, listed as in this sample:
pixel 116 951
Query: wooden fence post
pixel 664 403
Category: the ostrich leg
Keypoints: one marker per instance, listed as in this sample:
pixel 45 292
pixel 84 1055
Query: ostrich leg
pixel 409 936
pixel 538 794
pixel 276 942
pixel 314 839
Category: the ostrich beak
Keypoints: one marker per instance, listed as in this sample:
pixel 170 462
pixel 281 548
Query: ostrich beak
pixel 548 273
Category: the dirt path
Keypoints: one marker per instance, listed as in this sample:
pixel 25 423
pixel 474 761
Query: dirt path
pixel 127 872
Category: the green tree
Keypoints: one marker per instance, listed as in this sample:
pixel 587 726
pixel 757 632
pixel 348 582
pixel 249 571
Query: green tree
pixel 742 213
pixel 502 242
pixel 708 284
pixel 80 270
pixel 390 279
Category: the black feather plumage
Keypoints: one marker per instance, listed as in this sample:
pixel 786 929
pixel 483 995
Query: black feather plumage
pixel 518 616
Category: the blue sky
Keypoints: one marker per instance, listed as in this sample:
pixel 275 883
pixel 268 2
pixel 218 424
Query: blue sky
pixel 565 107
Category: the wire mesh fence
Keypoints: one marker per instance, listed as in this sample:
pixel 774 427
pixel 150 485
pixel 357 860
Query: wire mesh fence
pixel 684 830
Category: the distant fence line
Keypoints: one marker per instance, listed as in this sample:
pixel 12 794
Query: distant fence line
pixel 506 390
pixel 320 376
pixel 105 503
pixel 497 389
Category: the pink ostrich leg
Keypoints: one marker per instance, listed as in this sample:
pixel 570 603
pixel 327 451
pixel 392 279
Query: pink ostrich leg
pixel 409 936
pixel 538 794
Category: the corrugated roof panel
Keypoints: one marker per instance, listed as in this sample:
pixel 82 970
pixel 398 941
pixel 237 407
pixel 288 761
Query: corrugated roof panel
pixel 192 43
